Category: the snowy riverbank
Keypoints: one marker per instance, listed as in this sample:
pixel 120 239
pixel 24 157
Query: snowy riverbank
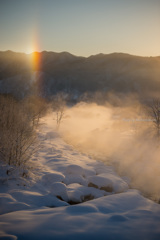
pixel 70 195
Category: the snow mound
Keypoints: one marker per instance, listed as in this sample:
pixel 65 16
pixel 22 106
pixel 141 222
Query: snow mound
pixel 81 209
pixel 108 182
pixel 74 169
pixel 89 172
pixel 50 178
pixel 78 193
pixel 77 174
pixel 59 190
pixel 35 199
pixel 9 204
pixel 14 206
pixel 73 178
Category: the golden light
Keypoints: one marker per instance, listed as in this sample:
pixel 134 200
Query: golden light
pixel 35 51
pixel 36 61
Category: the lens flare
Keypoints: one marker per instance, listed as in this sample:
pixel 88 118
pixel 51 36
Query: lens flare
pixel 36 61
pixel 35 55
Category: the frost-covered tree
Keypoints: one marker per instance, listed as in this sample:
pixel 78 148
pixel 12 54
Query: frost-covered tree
pixel 18 140
pixel 36 108
pixel 59 106
pixel 154 110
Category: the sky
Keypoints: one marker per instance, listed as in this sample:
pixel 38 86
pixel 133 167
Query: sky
pixel 81 27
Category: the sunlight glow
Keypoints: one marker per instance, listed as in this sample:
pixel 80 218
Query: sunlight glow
pixel 35 49
pixel 36 61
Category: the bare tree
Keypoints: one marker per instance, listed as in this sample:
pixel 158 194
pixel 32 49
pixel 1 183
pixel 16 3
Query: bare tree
pixel 154 111
pixel 59 106
pixel 18 140
pixel 36 108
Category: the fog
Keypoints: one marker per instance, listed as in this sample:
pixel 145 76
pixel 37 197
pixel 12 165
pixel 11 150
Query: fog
pixel 120 135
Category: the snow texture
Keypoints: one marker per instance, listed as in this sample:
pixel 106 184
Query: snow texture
pixel 69 195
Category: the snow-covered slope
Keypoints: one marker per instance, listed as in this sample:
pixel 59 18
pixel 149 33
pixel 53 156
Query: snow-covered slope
pixel 69 195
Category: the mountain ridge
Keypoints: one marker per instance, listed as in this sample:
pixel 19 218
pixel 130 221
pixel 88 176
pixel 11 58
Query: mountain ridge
pixel 118 72
pixel 92 55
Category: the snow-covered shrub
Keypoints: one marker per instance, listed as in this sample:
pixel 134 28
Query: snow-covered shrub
pixel 18 139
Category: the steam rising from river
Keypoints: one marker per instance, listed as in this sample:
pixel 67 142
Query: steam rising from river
pixel 121 136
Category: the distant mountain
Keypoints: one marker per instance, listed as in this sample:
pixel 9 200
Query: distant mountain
pixel 116 72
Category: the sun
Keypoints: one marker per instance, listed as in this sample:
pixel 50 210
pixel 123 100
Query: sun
pixel 33 50
pixel 29 50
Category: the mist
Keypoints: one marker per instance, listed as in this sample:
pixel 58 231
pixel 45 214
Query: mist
pixel 120 135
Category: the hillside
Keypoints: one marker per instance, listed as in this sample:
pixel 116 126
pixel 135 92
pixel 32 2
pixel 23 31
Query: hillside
pixel 117 72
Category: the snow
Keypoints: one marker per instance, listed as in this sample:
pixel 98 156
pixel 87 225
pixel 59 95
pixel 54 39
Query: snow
pixel 122 216
pixel 78 193
pixel 73 178
pixel 74 169
pixel 109 182
pixel 52 178
pixel 60 190
pixel 69 195
pixel 10 204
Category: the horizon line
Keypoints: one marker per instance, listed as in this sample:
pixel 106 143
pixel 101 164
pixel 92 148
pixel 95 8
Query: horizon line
pixel 124 53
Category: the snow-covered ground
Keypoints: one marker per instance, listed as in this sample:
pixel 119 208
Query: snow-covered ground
pixel 69 195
